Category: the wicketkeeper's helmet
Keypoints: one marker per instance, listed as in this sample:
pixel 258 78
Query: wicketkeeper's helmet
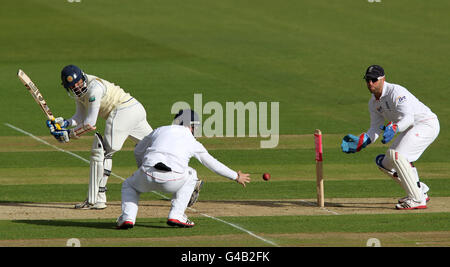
pixel 187 117
pixel 70 76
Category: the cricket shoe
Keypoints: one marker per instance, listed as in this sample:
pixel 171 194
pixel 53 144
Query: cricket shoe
pixel 124 224
pixel 424 189
pixel 195 194
pixel 403 199
pixel 186 223
pixel 410 204
pixel 88 206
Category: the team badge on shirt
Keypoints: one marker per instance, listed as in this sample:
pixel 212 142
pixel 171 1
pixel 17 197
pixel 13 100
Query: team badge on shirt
pixel 401 99
pixel 92 99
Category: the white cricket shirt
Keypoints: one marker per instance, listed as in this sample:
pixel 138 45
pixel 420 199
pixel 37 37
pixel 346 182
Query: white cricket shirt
pixel 398 105
pixel 174 145
pixel 100 99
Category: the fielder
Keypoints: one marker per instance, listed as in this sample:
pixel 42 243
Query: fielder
pixel 125 117
pixel 163 157
pixel 416 127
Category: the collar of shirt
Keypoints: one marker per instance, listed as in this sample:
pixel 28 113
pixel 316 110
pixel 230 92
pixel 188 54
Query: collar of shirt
pixel 383 93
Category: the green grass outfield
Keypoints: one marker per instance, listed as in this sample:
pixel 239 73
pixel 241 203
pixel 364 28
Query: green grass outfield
pixel 155 228
pixel 308 55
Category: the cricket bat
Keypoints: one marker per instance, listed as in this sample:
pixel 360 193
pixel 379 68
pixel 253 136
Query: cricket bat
pixel 34 91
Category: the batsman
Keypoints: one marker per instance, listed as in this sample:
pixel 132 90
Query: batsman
pixel 415 126
pixel 125 118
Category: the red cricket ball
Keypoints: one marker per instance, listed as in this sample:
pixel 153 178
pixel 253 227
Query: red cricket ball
pixel 266 176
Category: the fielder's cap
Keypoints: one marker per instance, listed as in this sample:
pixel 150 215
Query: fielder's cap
pixel 186 117
pixel 374 71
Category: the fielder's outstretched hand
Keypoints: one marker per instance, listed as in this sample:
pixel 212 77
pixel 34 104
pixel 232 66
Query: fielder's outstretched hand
pixel 243 178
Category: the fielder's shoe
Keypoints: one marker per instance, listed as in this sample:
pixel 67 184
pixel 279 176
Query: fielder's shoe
pixel 186 223
pixel 88 206
pixel 410 204
pixel 127 224
pixel 196 192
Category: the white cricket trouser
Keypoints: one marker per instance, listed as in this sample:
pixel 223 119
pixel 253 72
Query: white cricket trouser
pixel 181 185
pixel 413 142
pixel 130 121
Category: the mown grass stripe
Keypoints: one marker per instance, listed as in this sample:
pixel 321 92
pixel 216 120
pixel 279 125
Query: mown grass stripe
pixel 156 227
pixel 229 191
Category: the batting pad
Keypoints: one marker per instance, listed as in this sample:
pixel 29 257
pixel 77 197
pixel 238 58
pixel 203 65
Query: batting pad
pixel 96 168
pixel 406 175
pixel 382 161
pixel 103 180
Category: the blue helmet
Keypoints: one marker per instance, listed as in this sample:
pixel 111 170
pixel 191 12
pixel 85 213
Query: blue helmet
pixel 70 76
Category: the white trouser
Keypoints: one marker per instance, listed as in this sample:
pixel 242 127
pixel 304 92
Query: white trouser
pixel 129 121
pixel 181 185
pixel 413 142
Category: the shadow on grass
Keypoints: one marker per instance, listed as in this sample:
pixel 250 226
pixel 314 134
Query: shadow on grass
pixel 306 203
pixel 66 223
pixel 89 224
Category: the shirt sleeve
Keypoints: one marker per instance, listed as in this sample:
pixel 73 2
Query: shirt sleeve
pixel 216 166
pixel 376 120
pixel 95 98
pixel 405 112
pixel 77 118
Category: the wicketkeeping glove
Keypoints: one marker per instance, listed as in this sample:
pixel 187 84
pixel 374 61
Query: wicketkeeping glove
pixel 389 132
pixel 352 143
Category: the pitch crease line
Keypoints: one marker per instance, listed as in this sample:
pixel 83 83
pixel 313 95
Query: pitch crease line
pixel 324 209
pixel 123 179
pixel 55 147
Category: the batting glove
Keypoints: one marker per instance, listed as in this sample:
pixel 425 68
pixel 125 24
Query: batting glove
pixel 352 143
pixel 51 126
pixel 57 124
pixel 62 135
pixel 62 122
pixel 389 132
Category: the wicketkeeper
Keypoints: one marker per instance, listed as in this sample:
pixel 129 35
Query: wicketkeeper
pixel 163 157
pixel 415 125
pixel 125 117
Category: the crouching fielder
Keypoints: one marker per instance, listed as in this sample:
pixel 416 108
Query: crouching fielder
pixel 416 127
pixel 125 117
pixel 162 158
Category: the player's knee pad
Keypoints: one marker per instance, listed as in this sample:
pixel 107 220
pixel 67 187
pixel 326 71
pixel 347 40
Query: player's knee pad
pixel 384 164
pixel 406 175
